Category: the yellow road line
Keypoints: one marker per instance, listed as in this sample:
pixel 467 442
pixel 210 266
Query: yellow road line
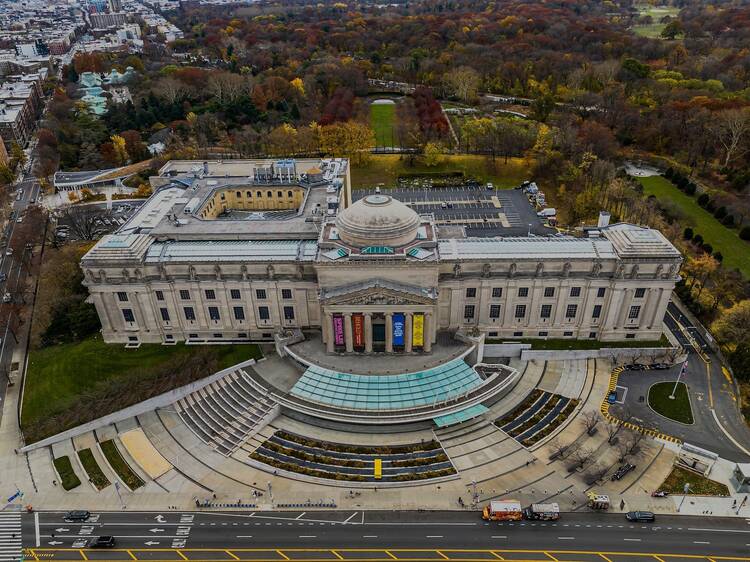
pixel 495 554
pixel 337 555
pixel 83 554
pixel 551 557
pixel 229 552
pixel 182 555
pixel 388 552
pixel 133 556
pixel 710 391
pixel 284 556
pixel 659 558
pixel 443 555
pixel 605 558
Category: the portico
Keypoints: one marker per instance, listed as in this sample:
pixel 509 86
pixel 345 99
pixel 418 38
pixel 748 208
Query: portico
pixel 378 316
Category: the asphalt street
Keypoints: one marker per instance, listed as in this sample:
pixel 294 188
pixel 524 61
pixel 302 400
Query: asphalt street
pixel 389 530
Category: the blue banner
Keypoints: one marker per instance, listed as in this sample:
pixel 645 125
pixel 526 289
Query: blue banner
pixel 398 329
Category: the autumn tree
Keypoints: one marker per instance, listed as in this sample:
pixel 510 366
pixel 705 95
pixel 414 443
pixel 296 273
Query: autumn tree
pixel 731 129
pixel 352 140
pixel 463 82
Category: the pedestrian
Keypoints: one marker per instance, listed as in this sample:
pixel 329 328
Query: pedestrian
pixel 214 496
pixel 54 482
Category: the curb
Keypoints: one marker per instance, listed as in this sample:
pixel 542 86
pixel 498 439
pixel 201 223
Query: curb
pixel 612 419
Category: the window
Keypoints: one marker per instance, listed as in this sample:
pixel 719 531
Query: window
pixel 159 295
pixel 567 334
pixel 635 312
pixel 249 194
pixel 640 293
pixel 469 312
pixel 122 297
pixel 597 312
pixel 193 336
pixel 213 313
pixel 169 337
pixel 242 335
pixel 629 336
pixel 210 294
pixel 279 194
pixel 184 295
pixel 493 334
pixel 549 292
pixel 127 314
pixel 494 311
pixel 517 334
pixel 471 292
pixel 286 294
pixel 571 311
pixel 164 314
pixel 235 294
pixel 592 335
pixel 239 195
pixel 223 196
pixel 523 291
pixel 189 313
pixel 263 313
pixel 218 336
pixel 239 313
pixel 600 292
pixel 546 311
pixel 520 310
pixel 260 294
pixel 575 291
pixel 543 334
pixel 288 313
pixel 269 194
pixel 259 194
pixel 289 194
pixel 497 292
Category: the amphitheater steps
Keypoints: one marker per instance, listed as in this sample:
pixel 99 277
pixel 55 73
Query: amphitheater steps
pixel 228 412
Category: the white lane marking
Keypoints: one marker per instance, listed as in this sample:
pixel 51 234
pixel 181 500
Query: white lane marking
pixel 729 436
pixel 499 536
pixel 718 530
pixel 350 517
pixel 701 542
pixel 244 536
pixel 434 536
pixel 632 540
pixel 307 536
pixel 369 536
pixel 36 527
pixel 301 515
pixel 565 538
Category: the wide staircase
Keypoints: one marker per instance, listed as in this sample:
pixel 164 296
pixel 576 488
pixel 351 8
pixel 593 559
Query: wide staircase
pixel 227 412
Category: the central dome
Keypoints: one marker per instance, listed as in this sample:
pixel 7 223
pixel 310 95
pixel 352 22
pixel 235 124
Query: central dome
pixel 377 220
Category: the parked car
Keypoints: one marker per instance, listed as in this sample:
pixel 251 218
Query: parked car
pixel 3 277
pixel 77 515
pixel 640 516
pixel 490 186
pixel 661 366
pixel 612 397
pixel 636 367
pixel 105 541
pixel 7 298
pixel 622 471
pixel 9 252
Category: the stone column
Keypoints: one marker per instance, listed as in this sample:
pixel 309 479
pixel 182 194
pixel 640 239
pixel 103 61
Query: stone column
pixel 651 307
pixel 329 330
pixel 427 332
pixel 368 332
pixel 622 319
pixel 389 332
pixel 407 332
pixel 348 338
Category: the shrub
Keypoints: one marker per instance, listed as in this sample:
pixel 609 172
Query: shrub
pixel 721 212
pixel 710 206
pixel 703 200
pixel 691 189
pixel 688 233
pixel 708 248
pixel 745 233
pixel 718 257
pixel 698 239
pixel 669 174
pixel 728 221
pixel 682 183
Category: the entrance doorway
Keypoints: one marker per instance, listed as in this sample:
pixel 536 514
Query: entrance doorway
pixel 378 332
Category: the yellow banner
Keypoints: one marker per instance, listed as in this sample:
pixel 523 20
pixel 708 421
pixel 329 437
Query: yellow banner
pixel 417 330
pixel 378 469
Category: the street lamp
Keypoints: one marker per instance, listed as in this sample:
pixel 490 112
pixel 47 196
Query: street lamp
pixel 682 371
pixel 685 490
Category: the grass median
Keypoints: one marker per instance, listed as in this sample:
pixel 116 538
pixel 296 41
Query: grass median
pixel 699 485
pixel 383 121
pixel 68 478
pixel 93 470
pixel 70 384
pixel 677 408
pixel 118 464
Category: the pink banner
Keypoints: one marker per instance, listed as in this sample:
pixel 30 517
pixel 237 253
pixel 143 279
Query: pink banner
pixel 338 330
pixel 358 329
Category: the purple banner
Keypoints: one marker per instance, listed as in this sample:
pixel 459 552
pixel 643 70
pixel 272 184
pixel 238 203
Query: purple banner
pixel 338 330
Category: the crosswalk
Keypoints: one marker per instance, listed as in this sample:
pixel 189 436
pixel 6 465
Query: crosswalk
pixel 10 537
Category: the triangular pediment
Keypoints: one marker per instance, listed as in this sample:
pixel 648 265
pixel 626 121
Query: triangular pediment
pixel 378 292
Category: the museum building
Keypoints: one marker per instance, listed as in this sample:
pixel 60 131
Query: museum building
pixel 242 250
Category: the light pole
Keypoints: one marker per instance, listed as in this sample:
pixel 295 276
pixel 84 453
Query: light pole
pixel 682 371
pixel 685 491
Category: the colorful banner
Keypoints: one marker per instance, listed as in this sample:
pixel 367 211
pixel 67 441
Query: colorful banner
pixel 398 329
pixel 338 329
pixel 358 330
pixel 417 331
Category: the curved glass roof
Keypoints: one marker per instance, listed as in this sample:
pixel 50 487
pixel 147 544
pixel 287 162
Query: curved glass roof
pixel 387 392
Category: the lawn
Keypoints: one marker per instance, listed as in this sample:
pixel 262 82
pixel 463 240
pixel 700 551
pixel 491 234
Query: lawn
pixel 383 120
pixel 68 478
pixel 384 170
pixel 653 30
pixel 678 409
pixel 70 384
pixel 699 485
pixel 93 470
pixel 568 343
pixel 118 464
pixel 736 252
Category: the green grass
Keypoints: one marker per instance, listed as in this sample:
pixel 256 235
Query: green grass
pixel 68 478
pixel 118 464
pixel 568 343
pixel 383 120
pixel 73 383
pixel 92 469
pixel 653 30
pixel 699 485
pixel 736 252
pixel 386 168
pixel 678 409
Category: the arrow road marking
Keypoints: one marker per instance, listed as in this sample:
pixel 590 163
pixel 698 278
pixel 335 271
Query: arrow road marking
pixel 61 530
pixel 156 530
pixel 151 543
pixel 53 543
pixel 159 518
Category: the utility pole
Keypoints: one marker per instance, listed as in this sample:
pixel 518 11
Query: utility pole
pixel 685 491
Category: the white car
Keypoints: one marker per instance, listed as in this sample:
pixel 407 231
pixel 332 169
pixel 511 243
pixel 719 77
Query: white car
pixel 9 252
pixel 7 298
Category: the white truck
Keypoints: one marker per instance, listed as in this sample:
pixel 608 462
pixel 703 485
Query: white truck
pixel 542 512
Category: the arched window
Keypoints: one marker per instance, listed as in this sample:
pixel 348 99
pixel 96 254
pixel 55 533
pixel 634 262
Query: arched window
pixel 269 194
pixel 239 195
pixel 259 194
pixel 289 194
pixel 279 194
pixel 249 194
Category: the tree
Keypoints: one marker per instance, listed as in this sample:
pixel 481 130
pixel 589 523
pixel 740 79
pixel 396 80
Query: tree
pixel 579 458
pixel 351 139
pixel 83 221
pixel 542 107
pixel 120 150
pixel 688 233
pixel 733 325
pixel 18 156
pixel 463 82
pixel 591 420
pixel 672 29
pixel 731 128
pixel 170 89
pixel 433 154
pixel 134 146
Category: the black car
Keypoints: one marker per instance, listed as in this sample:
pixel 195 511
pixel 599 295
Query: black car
pixel 622 471
pixel 640 516
pixel 105 541
pixel 636 367
pixel 78 515
pixel 660 366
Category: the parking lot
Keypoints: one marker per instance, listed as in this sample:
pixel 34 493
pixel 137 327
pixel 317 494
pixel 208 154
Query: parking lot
pixel 483 212
pixel 92 221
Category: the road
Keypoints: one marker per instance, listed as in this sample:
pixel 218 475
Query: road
pixel 228 536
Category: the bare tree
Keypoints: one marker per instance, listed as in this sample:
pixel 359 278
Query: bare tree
pixel 590 420
pixel 731 127
pixel 612 430
pixel 83 220
pixel 579 458
pixel 463 82
pixel 595 473
pixel 170 89
pixel 559 450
